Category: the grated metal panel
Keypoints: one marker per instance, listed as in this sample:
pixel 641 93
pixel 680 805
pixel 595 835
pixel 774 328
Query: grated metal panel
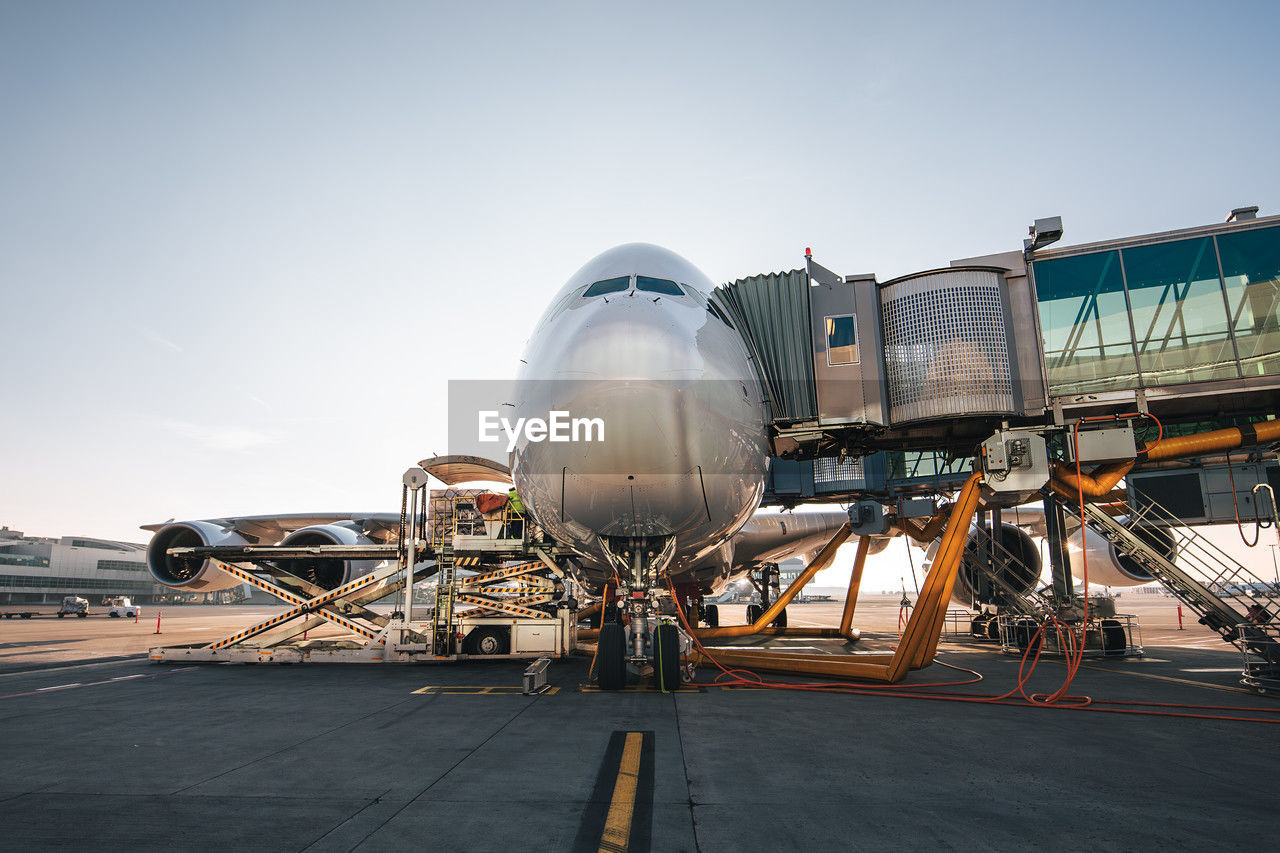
pixel 946 347
pixel 829 469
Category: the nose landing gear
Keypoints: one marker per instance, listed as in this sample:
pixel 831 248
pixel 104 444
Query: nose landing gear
pixel 645 644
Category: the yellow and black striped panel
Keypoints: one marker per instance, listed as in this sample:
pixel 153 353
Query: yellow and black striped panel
pixel 504 607
pixel 499 574
pixel 282 594
pixel 256 629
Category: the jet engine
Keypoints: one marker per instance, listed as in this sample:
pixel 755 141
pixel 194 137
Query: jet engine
pixel 191 575
pixel 1017 565
pixel 329 572
pixel 1108 566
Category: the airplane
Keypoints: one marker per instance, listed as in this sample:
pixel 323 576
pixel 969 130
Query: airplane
pixel 664 498
pixel 674 490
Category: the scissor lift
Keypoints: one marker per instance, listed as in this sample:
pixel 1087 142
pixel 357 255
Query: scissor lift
pixel 499 612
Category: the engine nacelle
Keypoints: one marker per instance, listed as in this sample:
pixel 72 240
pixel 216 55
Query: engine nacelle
pixel 1108 566
pixel 191 575
pixel 878 544
pixel 1019 569
pixel 328 572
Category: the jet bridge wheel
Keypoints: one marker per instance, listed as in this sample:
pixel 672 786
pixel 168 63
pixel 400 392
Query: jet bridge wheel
pixel 1114 641
pixel 487 640
pixel 611 657
pixel 666 653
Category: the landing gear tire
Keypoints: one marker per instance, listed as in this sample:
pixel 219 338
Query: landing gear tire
pixel 753 613
pixel 593 621
pixel 1024 632
pixel 612 615
pixel 780 621
pixel 1114 641
pixel 611 657
pixel 486 641
pixel 666 663
pixel 711 615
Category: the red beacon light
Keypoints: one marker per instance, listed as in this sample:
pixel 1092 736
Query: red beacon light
pixel 808 253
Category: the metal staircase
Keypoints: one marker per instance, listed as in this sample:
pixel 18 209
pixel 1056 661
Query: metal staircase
pixel 1229 598
pixel 1009 598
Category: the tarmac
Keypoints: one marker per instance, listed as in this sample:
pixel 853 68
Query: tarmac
pixel 124 753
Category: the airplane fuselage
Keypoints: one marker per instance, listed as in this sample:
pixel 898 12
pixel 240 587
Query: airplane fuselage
pixel 680 460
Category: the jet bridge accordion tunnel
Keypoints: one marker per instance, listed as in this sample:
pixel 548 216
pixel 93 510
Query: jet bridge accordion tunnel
pixel 850 358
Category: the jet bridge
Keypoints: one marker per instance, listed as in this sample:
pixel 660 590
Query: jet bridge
pixel 1184 325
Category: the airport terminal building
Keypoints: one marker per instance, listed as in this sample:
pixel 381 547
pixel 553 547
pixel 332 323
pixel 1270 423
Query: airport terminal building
pixel 35 569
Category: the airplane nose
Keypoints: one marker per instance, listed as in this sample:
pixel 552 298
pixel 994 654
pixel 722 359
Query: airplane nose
pixel 633 376
pixel 626 338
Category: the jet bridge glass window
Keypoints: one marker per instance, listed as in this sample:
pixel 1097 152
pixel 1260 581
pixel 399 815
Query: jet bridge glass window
pixel 1251 276
pixel 1179 315
pixel 658 285
pixel 609 285
pixel 842 339
pixel 1084 317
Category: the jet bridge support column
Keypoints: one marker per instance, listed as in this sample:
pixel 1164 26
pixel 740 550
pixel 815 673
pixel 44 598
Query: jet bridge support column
pixel 1055 523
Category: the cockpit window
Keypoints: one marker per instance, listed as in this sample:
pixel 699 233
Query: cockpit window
pixel 609 285
pixel 658 285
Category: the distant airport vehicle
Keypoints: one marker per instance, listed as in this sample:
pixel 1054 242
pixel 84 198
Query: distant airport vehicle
pixel 122 606
pixel 20 614
pixel 73 605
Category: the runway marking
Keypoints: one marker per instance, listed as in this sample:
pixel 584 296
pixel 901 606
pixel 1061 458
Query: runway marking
pixel 1214 669
pixel 1176 680
pixel 617 826
pixel 40 690
pixel 32 652
pixel 619 815
pixel 455 690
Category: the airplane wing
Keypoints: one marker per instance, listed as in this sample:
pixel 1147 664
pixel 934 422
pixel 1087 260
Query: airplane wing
pixel 774 537
pixel 379 526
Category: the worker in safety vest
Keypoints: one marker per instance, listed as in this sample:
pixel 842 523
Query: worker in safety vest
pixel 515 523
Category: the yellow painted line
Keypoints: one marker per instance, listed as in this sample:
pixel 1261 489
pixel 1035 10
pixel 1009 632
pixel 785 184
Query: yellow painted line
pixel 617 826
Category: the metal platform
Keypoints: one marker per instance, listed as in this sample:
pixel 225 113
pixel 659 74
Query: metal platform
pixel 485 606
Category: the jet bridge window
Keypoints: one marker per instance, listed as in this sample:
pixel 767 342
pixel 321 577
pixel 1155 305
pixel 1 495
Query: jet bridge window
pixel 609 285
pixel 658 285
pixel 842 339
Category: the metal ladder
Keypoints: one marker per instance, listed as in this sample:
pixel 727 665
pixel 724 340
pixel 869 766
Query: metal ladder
pixel 1229 598
pixel 442 619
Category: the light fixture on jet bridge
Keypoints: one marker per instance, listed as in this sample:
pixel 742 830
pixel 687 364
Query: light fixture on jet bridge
pixel 1043 232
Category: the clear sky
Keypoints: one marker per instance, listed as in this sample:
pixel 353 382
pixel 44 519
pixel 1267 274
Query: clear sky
pixel 243 246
